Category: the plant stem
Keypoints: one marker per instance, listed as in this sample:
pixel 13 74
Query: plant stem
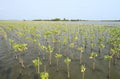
pixel 93 64
pixel 38 65
pixel 80 57
pixel 21 61
pixel 109 69
pixel 50 58
pixel 68 70
pixel 83 75
pixel 57 64
pixel 44 68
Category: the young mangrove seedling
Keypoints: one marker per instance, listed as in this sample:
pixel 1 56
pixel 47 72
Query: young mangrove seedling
pixel 72 45
pixel 92 38
pixel 76 38
pixel 50 50
pixel 37 64
pixel 81 49
pixel 83 44
pixel 44 48
pixel 44 75
pixel 67 61
pixel 100 39
pixel 83 68
pixel 58 56
pixel 114 53
pixel 85 38
pixel 108 58
pixel 92 45
pixel 11 42
pixel 93 55
pixel 20 48
pixel 65 42
pixel 101 47
pixel 39 46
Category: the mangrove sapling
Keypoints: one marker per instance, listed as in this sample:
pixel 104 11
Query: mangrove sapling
pixel 72 45
pixel 86 38
pixel 65 42
pixel 46 35
pixel 92 38
pixel 44 48
pixel 39 46
pixel 37 63
pixel 92 45
pixel 100 39
pixel 50 51
pixel 54 38
pixel 59 47
pixel 101 47
pixel 81 49
pixel 81 34
pixel 10 28
pixel 83 44
pixel 11 43
pixel 58 56
pixel 108 58
pixel 83 68
pixel 114 53
pixel 93 55
pixel 3 34
pixel 44 75
pixel 67 61
pixel 20 48
pixel 76 39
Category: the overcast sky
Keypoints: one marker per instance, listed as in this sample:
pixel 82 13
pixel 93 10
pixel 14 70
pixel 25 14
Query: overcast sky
pixel 71 9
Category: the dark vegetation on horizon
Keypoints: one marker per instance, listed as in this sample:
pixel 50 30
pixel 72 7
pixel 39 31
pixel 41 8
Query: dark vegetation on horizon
pixel 58 19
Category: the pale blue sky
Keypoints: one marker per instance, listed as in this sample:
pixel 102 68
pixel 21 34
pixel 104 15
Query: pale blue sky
pixel 71 9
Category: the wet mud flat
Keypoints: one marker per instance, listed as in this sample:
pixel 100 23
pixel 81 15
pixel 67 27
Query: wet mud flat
pixel 10 68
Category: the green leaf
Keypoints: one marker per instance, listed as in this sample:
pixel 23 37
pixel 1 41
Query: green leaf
pixel 83 68
pixel 107 57
pixel 67 60
pixel 44 75
pixel 57 55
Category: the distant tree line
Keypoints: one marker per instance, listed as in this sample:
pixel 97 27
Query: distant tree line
pixel 58 19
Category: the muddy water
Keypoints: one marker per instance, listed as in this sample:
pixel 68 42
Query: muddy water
pixel 10 68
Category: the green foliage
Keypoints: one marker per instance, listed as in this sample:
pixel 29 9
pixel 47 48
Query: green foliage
pixel 20 34
pixel 36 63
pixel 20 47
pixel 92 45
pixel 65 41
pixel 107 57
pixel 54 32
pixel 11 41
pixel 50 49
pixel 44 75
pixel 67 60
pixel 93 55
pixel 102 46
pixel 72 45
pixel 100 39
pixel 81 49
pixel 57 55
pixel 56 19
pixel 83 42
pixel 10 28
pixel 114 51
pixel 76 37
pixel 92 38
pixel 44 47
pixel 82 68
